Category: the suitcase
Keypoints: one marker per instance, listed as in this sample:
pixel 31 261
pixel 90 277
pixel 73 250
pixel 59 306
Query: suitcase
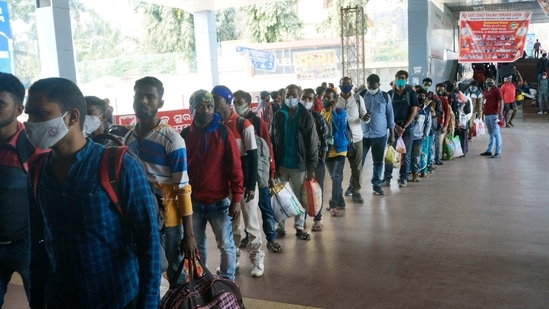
pixel 206 292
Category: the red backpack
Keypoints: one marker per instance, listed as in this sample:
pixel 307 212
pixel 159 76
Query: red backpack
pixel 109 174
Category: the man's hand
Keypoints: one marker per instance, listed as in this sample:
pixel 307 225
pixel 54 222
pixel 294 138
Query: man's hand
pixel 399 130
pixel 391 140
pixel 366 117
pixel 310 176
pixel 271 182
pixel 249 195
pixel 188 247
pixel 234 209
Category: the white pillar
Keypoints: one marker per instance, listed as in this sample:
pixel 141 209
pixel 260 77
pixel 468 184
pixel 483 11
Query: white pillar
pixel 56 50
pixel 205 37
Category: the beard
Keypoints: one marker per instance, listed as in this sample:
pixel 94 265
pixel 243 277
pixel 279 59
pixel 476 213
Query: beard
pixel 145 114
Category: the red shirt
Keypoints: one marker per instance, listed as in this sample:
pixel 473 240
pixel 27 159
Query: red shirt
pixel 509 93
pixel 492 98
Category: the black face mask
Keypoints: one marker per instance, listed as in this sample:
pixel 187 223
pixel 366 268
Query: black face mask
pixel 203 119
pixel 439 92
pixel 326 103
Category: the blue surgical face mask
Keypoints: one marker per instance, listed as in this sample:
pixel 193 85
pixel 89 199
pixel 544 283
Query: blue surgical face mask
pixel 400 83
pixel 346 88
pixel 291 103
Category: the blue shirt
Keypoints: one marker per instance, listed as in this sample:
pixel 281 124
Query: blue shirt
pixel 381 115
pixel 98 259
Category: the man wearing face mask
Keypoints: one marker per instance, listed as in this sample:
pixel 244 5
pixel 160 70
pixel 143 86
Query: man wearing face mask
pixel 543 94
pixel 405 105
pixel 493 110
pixel 81 248
pixel 475 94
pixel 443 121
pixel 354 107
pixel 215 172
pixel 95 126
pixel 323 131
pixel 295 146
pixel 243 131
pixel 374 133
pixel 164 156
pixel 265 109
pixel 435 105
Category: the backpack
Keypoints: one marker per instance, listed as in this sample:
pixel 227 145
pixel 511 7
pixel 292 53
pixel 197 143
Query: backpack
pixel 107 139
pixel 263 156
pixel 110 165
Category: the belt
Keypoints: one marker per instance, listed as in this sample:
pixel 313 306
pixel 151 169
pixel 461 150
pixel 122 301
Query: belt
pixel 5 242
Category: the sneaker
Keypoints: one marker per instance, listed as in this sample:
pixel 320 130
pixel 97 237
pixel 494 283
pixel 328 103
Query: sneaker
pixel 431 168
pixel 507 125
pixel 415 177
pixel 257 269
pixel 540 113
pixel 357 198
pixel 511 124
pixel 348 192
pixel 402 183
pixel 496 155
pixel 279 232
pixel 378 191
pixel 386 183
pixel 439 162
pixel 486 154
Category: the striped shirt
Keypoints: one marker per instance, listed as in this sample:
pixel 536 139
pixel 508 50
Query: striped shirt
pixel 164 156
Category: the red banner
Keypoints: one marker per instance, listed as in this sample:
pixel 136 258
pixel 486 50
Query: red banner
pixel 178 119
pixel 492 36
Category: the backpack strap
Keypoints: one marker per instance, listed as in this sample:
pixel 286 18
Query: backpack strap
pixel 25 150
pixel 385 96
pixel 109 175
pixel 104 139
pixel 36 164
pixel 240 124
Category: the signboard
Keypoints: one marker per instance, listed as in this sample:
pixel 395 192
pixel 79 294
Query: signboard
pixel 6 43
pixel 260 59
pixel 178 119
pixel 315 64
pixel 492 36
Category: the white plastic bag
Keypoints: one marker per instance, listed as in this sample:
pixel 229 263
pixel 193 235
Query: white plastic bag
pixel 400 146
pixel 284 202
pixel 480 127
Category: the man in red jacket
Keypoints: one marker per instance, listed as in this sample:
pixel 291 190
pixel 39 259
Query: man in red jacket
pixel 509 93
pixel 215 173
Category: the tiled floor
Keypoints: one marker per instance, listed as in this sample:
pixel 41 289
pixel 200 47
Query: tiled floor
pixel 475 234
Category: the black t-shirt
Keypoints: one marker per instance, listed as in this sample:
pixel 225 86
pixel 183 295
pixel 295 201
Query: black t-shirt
pixel 401 106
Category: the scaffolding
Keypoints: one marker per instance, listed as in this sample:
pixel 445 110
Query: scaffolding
pixel 352 43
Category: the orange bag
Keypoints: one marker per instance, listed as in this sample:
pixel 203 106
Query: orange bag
pixel 311 197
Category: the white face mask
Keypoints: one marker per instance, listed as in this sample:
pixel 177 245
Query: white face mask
pixel 291 103
pixel 373 92
pixel 47 133
pixel 308 105
pixel 91 124
pixel 242 110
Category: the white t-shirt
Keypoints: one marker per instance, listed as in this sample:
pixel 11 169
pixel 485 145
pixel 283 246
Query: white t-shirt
pixel 353 114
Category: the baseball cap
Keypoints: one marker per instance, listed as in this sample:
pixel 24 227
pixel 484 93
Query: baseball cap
pixel 224 92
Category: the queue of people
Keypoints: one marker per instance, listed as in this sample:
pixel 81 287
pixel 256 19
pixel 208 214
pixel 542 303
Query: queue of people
pixel 84 250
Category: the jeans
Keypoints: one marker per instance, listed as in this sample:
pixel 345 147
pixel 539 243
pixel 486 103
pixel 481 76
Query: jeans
pixel 378 153
pixel 493 133
pixel 296 178
pixel 14 257
pixel 431 149
pixel 319 177
pixel 355 161
pixel 172 242
pixel 543 99
pixel 437 145
pixel 217 214
pixel 335 168
pixel 251 223
pixel 417 146
pixel 267 214
pixel 407 137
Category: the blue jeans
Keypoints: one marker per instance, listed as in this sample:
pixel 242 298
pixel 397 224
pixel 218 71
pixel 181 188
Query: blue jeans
pixel 267 214
pixel 14 257
pixel 320 172
pixel 431 149
pixel 335 168
pixel 437 146
pixel 407 137
pixel 378 152
pixel 543 98
pixel 493 133
pixel 417 146
pixel 172 243
pixel 217 214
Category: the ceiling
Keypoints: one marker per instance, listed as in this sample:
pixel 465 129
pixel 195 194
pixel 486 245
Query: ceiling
pixel 457 6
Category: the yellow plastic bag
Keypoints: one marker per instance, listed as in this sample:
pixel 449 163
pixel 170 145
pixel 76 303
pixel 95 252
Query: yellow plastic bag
pixel 391 156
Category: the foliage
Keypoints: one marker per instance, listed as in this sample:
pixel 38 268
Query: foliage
pixel 226 24
pixel 331 25
pixel 273 21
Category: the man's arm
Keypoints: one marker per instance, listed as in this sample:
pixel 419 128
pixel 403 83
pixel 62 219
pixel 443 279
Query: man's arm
pixel 310 137
pixel 264 133
pixel 233 165
pixel 39 259
pixel 141 217
pixel 250 180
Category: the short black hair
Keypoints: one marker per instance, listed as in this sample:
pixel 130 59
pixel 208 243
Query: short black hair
pixel 330 90
pixel 150 81
pixel 97 102
pixel 320 90
pixel 440 85
pixel 373 79
pixel 308 90
pixel 427 79
pixel 12 85
pixel 274 94
pixel 421 90
pixel 62 91
pixel 402 72
pixel 293 86
pixel 243 94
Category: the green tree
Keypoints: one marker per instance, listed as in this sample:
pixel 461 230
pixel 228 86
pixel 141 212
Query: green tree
pixel 331 25
pixel 273 21
pixel 226 23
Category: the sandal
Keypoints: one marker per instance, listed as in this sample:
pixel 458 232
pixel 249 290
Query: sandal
pixel 317 227
pixel 334 212
pixel 274 246
pixel 303 235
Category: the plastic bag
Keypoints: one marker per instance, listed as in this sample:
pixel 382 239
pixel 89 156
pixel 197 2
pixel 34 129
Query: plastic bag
pixel 311 195
pixel 391 156
pixel 400 146
pixel 480 127
pixel 284 202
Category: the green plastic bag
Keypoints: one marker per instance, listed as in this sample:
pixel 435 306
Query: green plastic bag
pixel 391 156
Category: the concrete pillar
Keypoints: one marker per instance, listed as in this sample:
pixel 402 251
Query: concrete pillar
pixel 206 48
pixel 418 38
pixel 53 23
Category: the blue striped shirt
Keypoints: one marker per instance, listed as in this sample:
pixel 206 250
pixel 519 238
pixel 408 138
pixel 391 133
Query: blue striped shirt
pixel 97 258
